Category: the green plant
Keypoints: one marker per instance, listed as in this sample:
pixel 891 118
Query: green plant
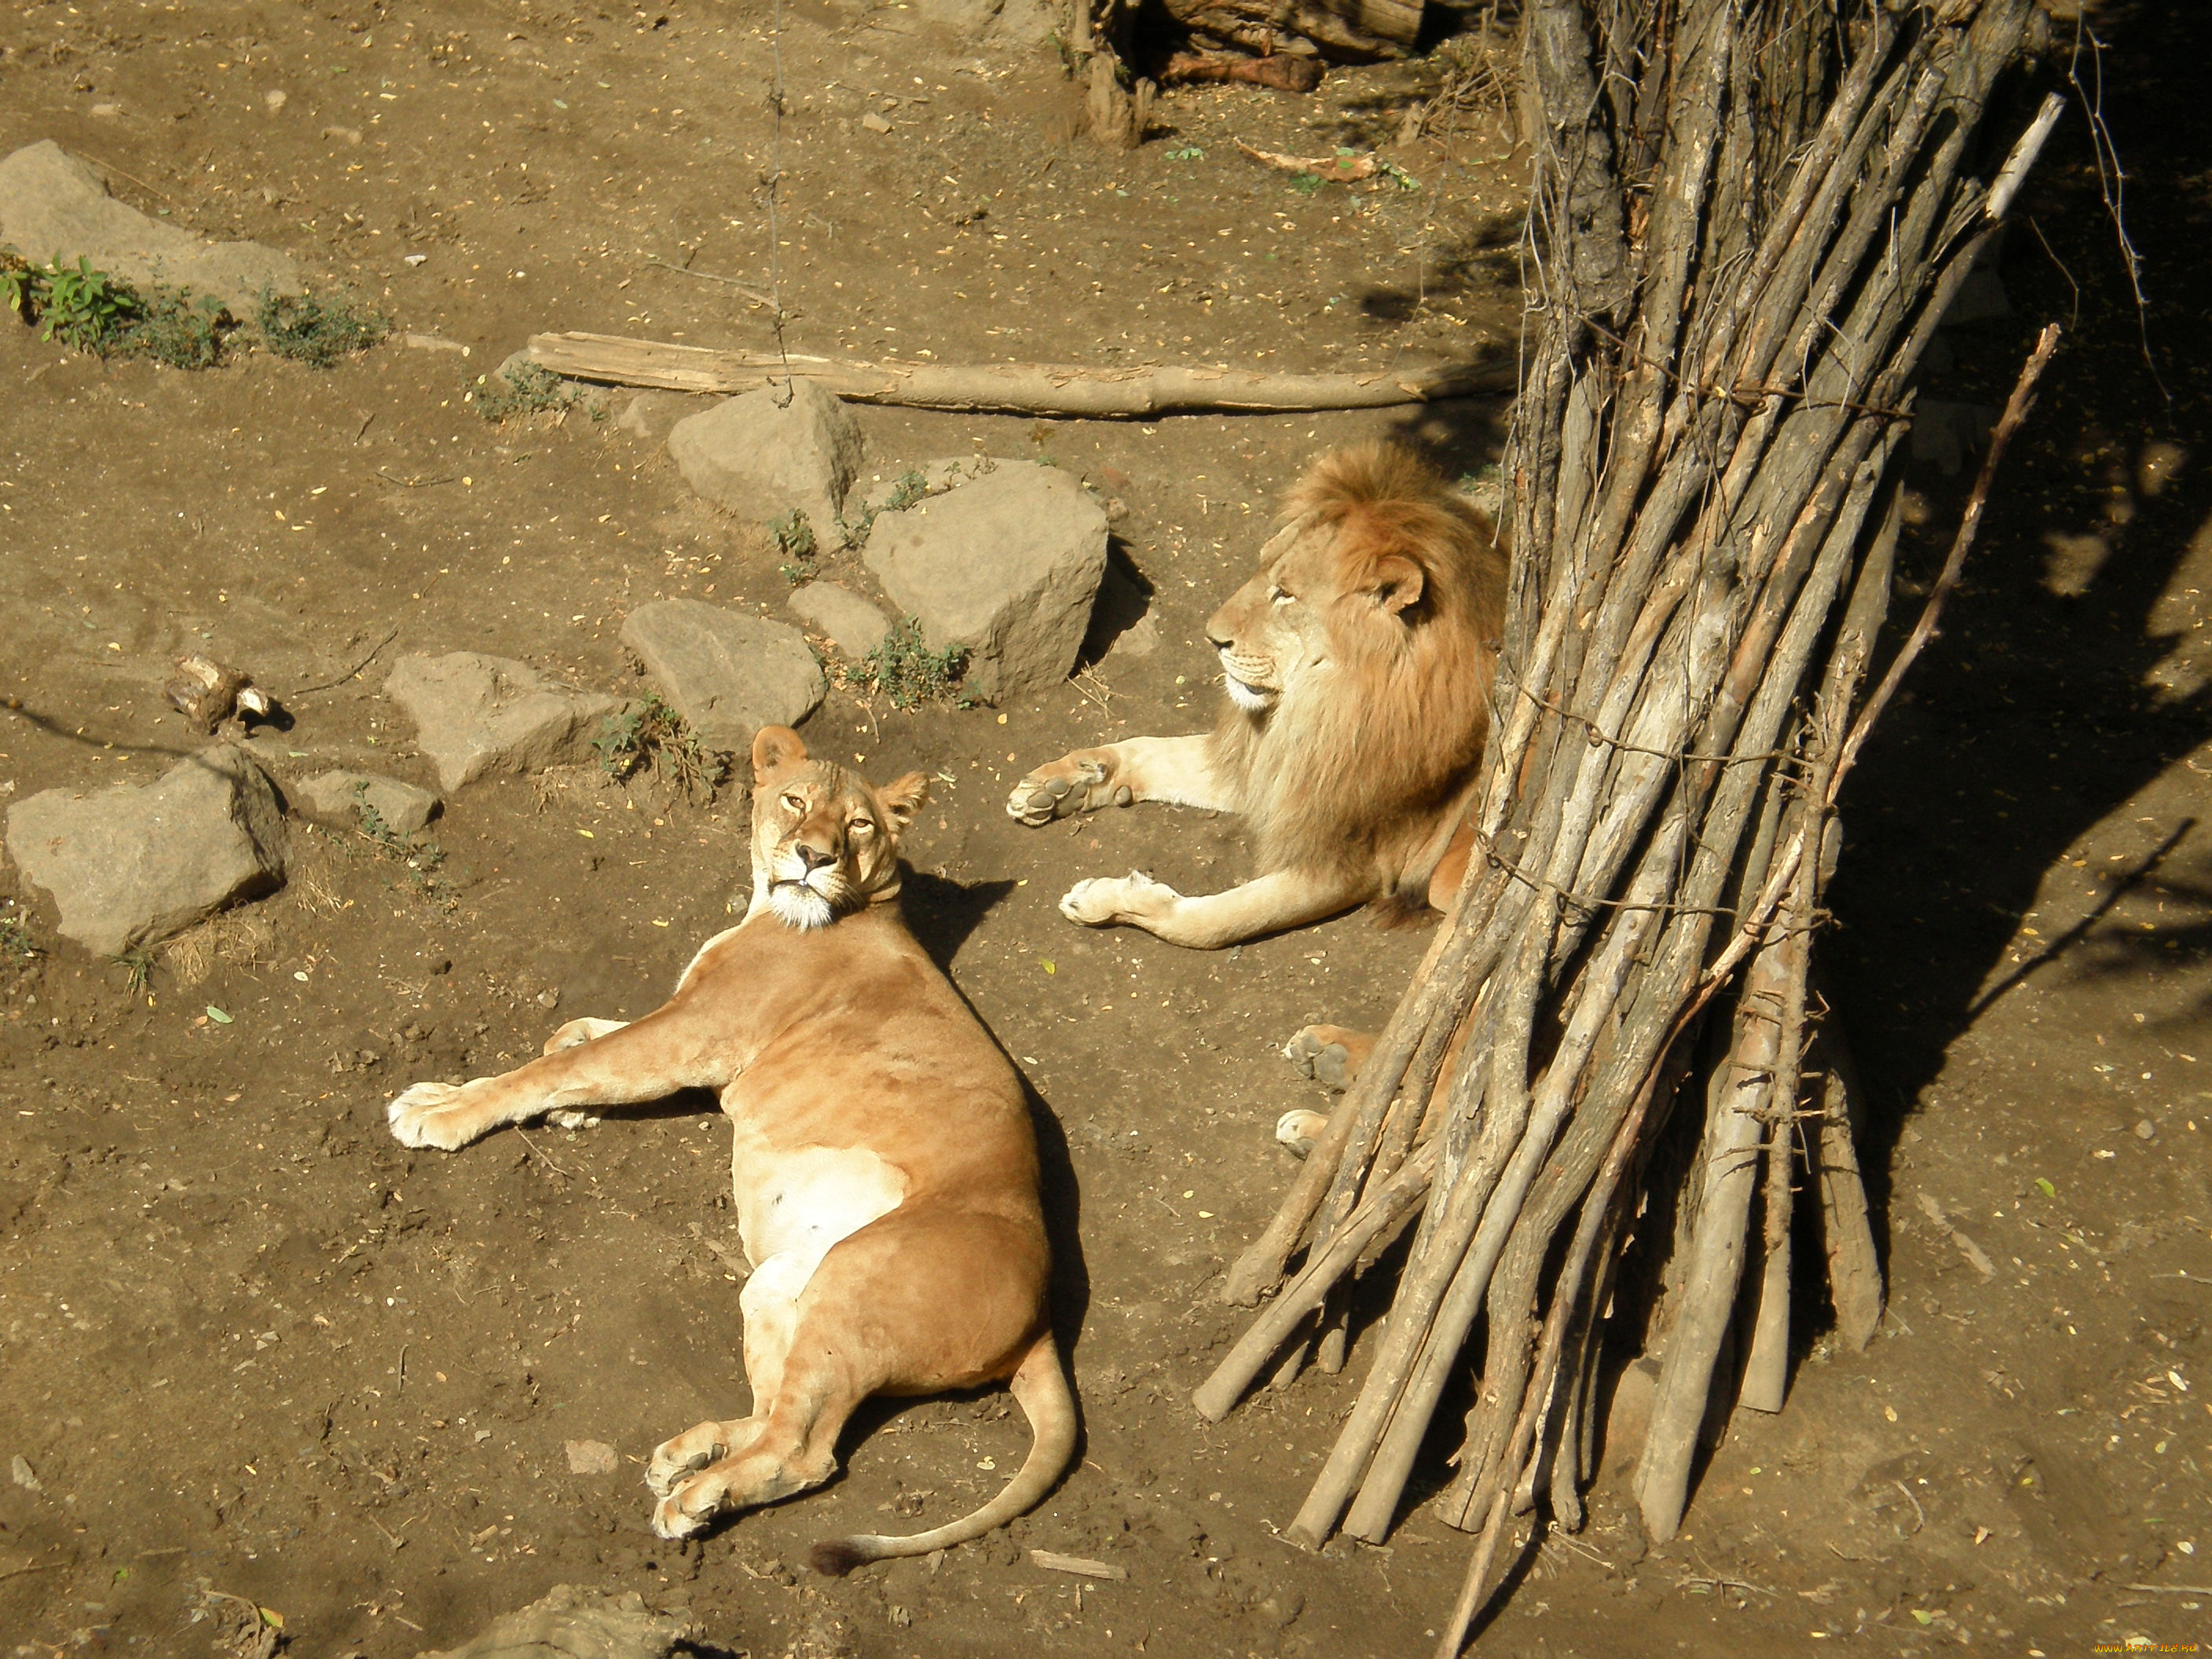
pixel 1187 153
pixel 174 329
pixel 909 487
pixel 649 734
pixel 904 669
pixel 794 539
pixel 520 389
pixel 1306 183
pixel 84 309
pixel 15 946
pixel 315 332
pixel 422 860
pixel 137 965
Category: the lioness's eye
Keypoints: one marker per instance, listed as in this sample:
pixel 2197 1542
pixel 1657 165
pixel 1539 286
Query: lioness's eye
pixel 863 826
pixel 794 803
pixel 1278 596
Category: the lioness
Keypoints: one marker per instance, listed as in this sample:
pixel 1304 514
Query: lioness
pixel 1357 664
pixel 885 1166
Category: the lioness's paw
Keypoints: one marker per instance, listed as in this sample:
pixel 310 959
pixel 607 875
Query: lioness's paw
pixel 1103 901
pixel 1051 791
pixel 675 1461
pixel 568 1117
pixel 1318 1052
pixel 431 1115
pixel 690 1510
pixel 1299 1129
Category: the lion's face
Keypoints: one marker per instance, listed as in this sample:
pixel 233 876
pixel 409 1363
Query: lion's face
pixel 825 843
pixel 1281 629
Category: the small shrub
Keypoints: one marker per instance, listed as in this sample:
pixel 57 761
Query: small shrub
pixel 909 487
pixel 652 734
pixel 315 332
pixel 15 946
pixel 794 539
pixel 421 859
pixel 89 310
pixel 521 389
pixel 905 671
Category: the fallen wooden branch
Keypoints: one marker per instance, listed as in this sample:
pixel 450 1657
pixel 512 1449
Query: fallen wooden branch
pixel 1281 71
pixel 1331 169
pixel 1138 392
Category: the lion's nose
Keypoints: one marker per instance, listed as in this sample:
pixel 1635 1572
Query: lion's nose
pixel 1219 642
pixel 814 857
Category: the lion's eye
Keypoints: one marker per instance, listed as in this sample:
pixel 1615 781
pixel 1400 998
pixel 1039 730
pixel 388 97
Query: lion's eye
pixel 794 803
pixel 864 827
pixel 1278 595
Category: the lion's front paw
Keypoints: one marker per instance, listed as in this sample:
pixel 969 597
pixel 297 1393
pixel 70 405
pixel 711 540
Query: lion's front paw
pixel 431 1115
pixel 690 1510
pixel 1072 784
pixel 1322 1053
pixel 1299 1128
pixel 674 1461
pixel 1102 901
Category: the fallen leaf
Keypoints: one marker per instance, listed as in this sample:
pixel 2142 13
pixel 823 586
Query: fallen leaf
pixel 217 1015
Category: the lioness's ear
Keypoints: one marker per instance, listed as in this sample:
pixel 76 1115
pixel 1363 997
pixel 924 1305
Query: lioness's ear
pixel 902 798
pixel 1399 582
pixel 776 749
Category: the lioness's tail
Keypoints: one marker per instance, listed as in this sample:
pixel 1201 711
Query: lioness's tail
pixel 1040 1387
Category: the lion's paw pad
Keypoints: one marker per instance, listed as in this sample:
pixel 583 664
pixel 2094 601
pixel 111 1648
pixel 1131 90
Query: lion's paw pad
pixel 568 1118
pixel 1319 1056
pixel 1299 1129
pixel 1046 794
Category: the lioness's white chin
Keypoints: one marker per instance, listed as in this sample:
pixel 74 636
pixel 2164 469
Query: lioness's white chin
pixel 1252 699
pixel 799 906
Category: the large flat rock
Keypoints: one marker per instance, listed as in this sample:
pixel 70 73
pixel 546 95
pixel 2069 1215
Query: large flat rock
pixel 129 865
pixel 767 452
pixel 53 206
pixel 1006 566
pixel 476 715
pixel 727 674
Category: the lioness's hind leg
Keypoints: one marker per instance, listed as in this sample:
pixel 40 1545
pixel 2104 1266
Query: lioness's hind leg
pixel 1330 1054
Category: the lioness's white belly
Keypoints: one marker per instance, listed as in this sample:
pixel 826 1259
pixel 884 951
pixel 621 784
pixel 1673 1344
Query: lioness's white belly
pixel 801 1202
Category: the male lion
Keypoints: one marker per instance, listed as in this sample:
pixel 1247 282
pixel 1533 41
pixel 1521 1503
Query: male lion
pixel 1357 666
pixel 885 1166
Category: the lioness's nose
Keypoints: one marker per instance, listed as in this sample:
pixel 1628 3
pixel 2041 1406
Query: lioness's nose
pixel 1216 637
pixel 814 857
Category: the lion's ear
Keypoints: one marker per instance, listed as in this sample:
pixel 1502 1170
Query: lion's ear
pixel 1399 582
pixel 776 749
pixel 904 796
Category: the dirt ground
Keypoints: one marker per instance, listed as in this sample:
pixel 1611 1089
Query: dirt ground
pixel 250 1346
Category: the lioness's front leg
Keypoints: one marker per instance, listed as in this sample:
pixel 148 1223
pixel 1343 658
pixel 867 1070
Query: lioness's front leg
pixel 1286 898
pixel 1176 770
pixel 647 1060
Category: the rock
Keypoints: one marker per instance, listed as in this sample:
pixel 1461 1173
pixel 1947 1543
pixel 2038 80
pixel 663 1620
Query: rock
pixel 476 715
pixel 855 626
pixel 1005 566
pixel 591 1457
pixel 570 1623
pixel 652 414
pixel 725 673
pixel 334 800
pixel 130 866
pixel 762 459
pixel 53 206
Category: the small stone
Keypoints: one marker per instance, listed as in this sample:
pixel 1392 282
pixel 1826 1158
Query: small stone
pixel 19 1471
pixel 1005 566
pixel 334 800
pixel 476 715
pixel 53 205
pixel 727 674
pixel 654 414
pixel 770 450
pixel 855 626
pixel 106 111
pixel 130 866
pixel 274 99
pixel 875 123
pixel 591 1457
pixel 2146 1130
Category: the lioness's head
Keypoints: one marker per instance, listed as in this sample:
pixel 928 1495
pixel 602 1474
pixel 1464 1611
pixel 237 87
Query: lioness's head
pixel 1374 548
pixel 826 842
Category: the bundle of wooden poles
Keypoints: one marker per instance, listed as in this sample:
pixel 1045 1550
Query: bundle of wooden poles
pixel 1748 218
